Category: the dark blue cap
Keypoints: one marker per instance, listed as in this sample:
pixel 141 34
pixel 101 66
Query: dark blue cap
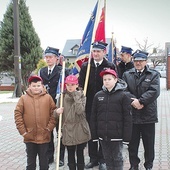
pixel 140 55
pixel 99 45
pixel 126 50
pixel 51 50
pixel 139 51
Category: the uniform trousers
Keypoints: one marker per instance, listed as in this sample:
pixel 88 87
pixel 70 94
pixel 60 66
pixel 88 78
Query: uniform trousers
pixel 32 150
pixel 146 132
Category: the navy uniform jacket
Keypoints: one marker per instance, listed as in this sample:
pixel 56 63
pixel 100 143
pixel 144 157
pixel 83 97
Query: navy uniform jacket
pixel 146 88
pixel 122 67
pixel 51 83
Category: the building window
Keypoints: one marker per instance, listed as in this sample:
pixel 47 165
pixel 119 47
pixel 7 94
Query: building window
pixel 75 51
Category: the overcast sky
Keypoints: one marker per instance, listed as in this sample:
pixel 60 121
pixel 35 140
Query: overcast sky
pixel 55 21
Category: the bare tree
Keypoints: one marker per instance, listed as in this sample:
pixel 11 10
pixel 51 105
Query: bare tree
pixel 155 54
pixel 145 46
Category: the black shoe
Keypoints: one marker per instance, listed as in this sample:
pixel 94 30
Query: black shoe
pixel 91 165
pixel 102 166
pixel 148 168
pixel 61 163
pixel 134 167
pixel 50 161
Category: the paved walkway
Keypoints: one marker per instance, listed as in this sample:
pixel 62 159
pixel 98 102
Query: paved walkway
pixel 12 149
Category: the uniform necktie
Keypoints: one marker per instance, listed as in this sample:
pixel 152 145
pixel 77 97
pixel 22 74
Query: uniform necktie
pixel 139 73
pixel 49 73
pixel 97 64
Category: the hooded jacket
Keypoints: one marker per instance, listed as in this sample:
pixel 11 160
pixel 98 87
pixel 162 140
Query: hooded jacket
pixel 95 82
pixel 111 118
pixel 34 115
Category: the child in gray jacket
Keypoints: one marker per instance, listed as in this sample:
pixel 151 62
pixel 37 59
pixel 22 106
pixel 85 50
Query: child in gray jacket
pixel 75 129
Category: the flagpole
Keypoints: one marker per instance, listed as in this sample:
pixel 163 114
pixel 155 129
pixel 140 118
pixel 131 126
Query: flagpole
pixel 89 60
pixel 60 117
pixel 112 46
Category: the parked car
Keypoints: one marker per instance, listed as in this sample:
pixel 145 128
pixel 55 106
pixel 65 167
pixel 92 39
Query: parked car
pixel 161 69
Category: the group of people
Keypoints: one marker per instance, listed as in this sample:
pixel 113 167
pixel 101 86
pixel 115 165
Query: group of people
pixel 120 107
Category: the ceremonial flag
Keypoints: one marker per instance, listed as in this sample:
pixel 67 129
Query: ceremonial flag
pixel 58 90
pixel 84 49
pixel 61 58
pixel 112 55
pixel 100 31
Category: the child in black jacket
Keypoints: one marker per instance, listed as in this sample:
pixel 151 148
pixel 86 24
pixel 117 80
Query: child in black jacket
pixel 111 119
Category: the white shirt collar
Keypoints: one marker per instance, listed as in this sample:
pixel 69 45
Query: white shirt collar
pixel 51 69
pixel 140 70
pixel 100 62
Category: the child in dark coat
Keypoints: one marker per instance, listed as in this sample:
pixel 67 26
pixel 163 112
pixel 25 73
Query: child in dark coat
pixel 111 119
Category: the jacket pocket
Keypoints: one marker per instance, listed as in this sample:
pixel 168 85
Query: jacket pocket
pixel 67 137
pixel 30 134
pixel 84 134
pixel 46 134
pixel 85 127
pixel 145 84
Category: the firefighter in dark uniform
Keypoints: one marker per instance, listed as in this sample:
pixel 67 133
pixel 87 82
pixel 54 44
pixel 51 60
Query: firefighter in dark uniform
pixel 143 84
pixel 51 76
pixel 126 60
pixel 98 63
